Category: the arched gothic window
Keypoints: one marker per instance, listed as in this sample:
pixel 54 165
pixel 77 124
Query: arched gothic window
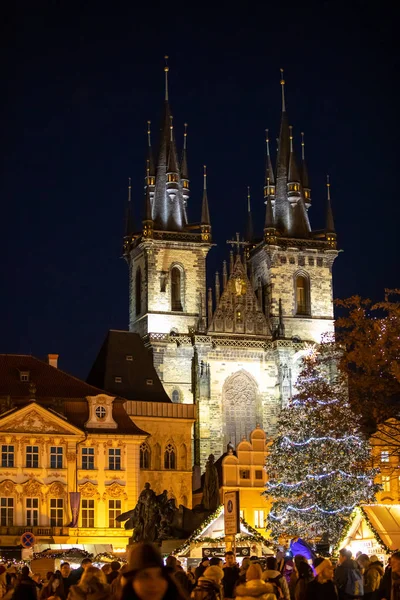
pixel 169 457
pixel 302 295
pixel 138 291
pixel 241 409
pixel 176 289
pixel 144 456
pixel 176 397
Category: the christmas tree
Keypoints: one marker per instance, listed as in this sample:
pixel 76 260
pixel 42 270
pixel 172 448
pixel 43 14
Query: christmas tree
pixel 319 465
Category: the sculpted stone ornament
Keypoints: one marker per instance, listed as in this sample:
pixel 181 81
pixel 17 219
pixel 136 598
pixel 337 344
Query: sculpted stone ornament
pixel 210 499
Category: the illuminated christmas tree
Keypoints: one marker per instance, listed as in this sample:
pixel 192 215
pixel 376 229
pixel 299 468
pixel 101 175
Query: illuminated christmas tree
pixel 319 466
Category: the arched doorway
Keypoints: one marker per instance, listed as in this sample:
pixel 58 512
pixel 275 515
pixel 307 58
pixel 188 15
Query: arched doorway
pixel 241 410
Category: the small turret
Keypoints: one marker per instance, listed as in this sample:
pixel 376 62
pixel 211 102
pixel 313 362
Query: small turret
pixel 150 168
pixel 304 175
pixel 148 224
pixel 172 167
pixel 205 213
pixel 330 232
pixel 224 275
pixel 269 226
pixel 217 288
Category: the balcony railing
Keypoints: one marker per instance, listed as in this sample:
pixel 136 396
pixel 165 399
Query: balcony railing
pixel 39 531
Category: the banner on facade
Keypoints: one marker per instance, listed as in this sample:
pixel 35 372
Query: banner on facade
pixel 74 501
pixel 231 513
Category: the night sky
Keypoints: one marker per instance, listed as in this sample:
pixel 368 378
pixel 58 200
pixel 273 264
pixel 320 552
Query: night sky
pixel 79 84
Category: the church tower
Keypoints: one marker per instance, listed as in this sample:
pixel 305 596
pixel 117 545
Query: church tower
pixel 167 257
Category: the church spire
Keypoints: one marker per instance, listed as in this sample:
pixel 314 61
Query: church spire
pixel 293 173
pixel 150 158
pixel 166 70
pixel 282 213
pixel 129 215
pixel 249 224
pixel 184 169
pixel 330 232
pixel 269 186
pixel 304 174
pixel 205 213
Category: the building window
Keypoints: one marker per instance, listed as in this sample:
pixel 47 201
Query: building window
pixel 138 291
pixel 56 457
pixel 6 512
pixel 114 459
pixel 245 474
pixel 87 513
pixel 56 512
pixel 144 456
pixel 149 382
pixel 7 456
pixel 385 483
pixel 32 512
pixel 24 376
pixel 129 357
pixel 114 510
pixel 101 412
pixel 385 456
pixel 259 474
pixel 302 295
pixel 259 518
pixel 169 457
pixel 176 289
pixel 32 457
pixel 176 397
pixel 88 459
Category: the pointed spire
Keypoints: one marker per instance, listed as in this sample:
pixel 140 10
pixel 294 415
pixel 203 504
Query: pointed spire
pixel 330 225
pixel 129 216
pixel 217 288
pixel 269 186
pixel 249 224
pixel 283 92
pixel 304 174
pixel 269 226
pixel 293 174
pixel 172 167
pixel 166 69
pixel 224 274
pixel 205 213
pixel 282 214
pixel 150 158
pixel 184 166
pixel 231 261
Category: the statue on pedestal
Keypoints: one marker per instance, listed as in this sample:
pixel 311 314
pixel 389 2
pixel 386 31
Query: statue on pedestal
pixel 210 500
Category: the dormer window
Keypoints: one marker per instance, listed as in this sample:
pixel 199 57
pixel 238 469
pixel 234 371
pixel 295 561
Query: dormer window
pixel 149 382
pixel 129 357
pixel 101 412
pixel 118 379
pixel 24 376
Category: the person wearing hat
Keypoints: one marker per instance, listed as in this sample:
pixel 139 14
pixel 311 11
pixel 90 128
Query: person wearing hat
pixel 209 585
pixel 255 587
pixel 147 578
pixel 322 586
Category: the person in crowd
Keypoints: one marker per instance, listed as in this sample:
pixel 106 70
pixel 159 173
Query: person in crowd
pixel 372 574
pixel 246 562
pixel 298 559
pixel 147 578
pixel 322 587
pixel 114 570
pixel 216 561
pixel 304 576
pixel 76 574
pixel 389 588
pixel 54 588
pixel 92 586
pixel 65 570
pixel 119 582
pixel 191 576
pixel 348 577
pixel 231 574
pixel 26 588
pixel 255 586
pixel 272 575
pixel 288 568
pixel 178 574
pixel 280 561
pixel 106 569
pixel 201 568
pixel 209 585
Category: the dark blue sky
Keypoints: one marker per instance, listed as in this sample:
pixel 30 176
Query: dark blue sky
pixel 78 87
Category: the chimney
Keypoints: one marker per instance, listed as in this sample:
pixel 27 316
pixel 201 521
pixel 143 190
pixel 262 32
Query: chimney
pixel 52 359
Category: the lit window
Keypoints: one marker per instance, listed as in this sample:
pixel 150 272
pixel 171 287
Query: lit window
pixel 169 457
pixel 32 512
pixel 87 513
pixel 129 357
pixel 100 412
pixel 32 457
pixel 144 456
pixel 88 459
pixel 149 382
pixel 302 295
pixel 6 512
pixel 118 379
pixel 385 456
pixel 7 456
pixel 114 510
pixel 386 483
pixel 56 512
pixel 24 376
pixel 114 459
pixel 56 457
pixel 259 518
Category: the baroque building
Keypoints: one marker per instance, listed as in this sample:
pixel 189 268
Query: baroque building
pixel 60 435
pixel 233 352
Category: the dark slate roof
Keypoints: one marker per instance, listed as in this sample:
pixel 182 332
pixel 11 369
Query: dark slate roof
pixel 58 391
pixel 111 362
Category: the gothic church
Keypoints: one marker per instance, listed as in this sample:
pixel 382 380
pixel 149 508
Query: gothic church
pixel 235 351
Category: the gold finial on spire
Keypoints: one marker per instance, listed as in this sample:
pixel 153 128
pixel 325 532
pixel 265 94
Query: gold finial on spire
pixel 205 177
pixel 129 189
pixel 328 187
pixel 185 136
pixel 248 198
pixel 166 69
pixel 149 133
pixel 283 92
pixel 291 137
pixel 267 140
pixel 171 128
pixel 268 180
pixel 148 169
pixel 302 146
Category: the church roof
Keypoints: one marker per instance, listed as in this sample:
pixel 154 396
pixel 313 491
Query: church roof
pixel 123 356
pixel 55 390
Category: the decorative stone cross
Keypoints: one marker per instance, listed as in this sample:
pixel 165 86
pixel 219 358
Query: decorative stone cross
pixel 237 242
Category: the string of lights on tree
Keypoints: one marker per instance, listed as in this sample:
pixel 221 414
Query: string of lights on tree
pixel 319 463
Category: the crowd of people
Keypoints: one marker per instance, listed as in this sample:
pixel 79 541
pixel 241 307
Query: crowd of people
pixel 146 577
